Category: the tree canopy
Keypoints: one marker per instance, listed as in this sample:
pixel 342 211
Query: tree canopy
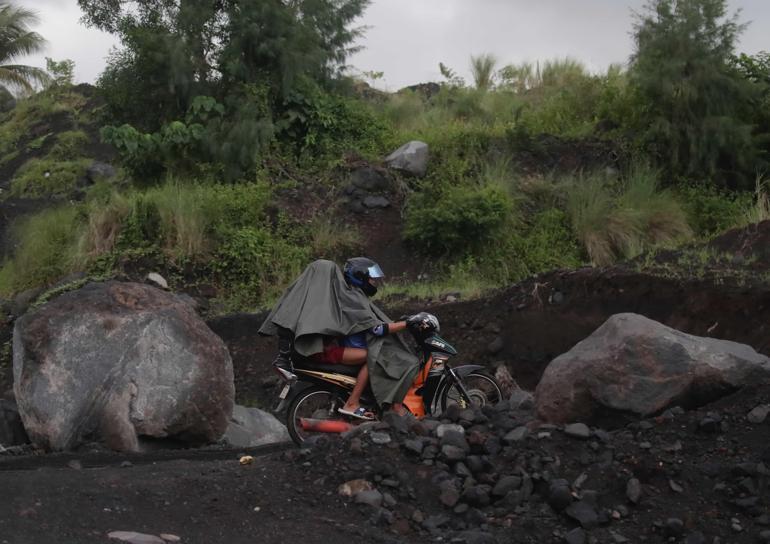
pixel 691 96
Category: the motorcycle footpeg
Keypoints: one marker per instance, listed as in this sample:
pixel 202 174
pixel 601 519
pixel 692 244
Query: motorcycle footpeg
pixel 285 375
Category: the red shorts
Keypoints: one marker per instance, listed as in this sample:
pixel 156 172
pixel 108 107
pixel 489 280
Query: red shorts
pixel 332 354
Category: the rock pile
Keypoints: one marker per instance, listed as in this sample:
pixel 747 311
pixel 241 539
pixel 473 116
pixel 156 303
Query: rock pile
pixel 499 475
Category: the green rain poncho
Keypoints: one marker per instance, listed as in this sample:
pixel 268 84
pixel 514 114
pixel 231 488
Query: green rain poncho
pixel 320 303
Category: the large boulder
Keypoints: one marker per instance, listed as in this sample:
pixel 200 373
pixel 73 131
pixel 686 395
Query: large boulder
pixel 251 427
pixel 411 158
pixel 118 362
pixel 633 365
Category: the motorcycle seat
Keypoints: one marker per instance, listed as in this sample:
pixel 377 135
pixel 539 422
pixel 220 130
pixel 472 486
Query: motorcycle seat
pixel 306 364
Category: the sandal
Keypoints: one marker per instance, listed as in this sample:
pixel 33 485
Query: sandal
pixel 358 413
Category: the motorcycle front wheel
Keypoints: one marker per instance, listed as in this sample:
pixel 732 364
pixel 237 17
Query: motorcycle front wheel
pixel 477 389
pixel 312 407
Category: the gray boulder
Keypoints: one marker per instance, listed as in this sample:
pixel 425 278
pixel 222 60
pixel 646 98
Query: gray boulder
pixel 99 171
pixel 369 179
pixel 411 158
pixel 251 427
pixel 117 362
pixel 633 365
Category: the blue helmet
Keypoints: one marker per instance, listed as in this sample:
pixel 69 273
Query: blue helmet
pixel 359 270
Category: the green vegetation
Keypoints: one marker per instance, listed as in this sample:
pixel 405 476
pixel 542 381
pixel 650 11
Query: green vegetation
pixel 50 177
pixel 219 111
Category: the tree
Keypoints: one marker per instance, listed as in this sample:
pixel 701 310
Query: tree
pixel 263 60
pixel 691 97
pixel 16 40
pixel 483 70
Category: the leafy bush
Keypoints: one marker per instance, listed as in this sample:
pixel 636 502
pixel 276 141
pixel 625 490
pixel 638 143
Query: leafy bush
pixel 257 264
pixel 48 177
pixel 711 210
pixel 318 124
pixel 69 145
pixel 462 218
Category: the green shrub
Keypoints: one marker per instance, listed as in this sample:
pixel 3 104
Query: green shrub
pixel 46 245
pixel 460 219
pixel 48 177
pixel 548 243
pixel 710 210
pixel 69 145
pixel 256 264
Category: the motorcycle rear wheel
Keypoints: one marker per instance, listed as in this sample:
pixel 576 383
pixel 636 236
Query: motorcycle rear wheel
pixel 317 403
pixel 482 390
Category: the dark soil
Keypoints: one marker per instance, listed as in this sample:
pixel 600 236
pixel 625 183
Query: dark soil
pixel 698 481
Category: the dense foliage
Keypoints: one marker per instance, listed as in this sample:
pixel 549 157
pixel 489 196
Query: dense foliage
pixel 694 102
pixel 219 110
pixel 264 62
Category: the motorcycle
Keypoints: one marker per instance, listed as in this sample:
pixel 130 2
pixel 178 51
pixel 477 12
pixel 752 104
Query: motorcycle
pixel 315 391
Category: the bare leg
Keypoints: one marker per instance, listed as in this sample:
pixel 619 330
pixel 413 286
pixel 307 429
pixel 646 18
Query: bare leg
pixel 353 357
pixel 354 400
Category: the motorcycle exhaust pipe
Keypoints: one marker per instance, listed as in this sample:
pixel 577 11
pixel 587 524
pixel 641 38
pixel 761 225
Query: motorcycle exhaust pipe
pixel 324 425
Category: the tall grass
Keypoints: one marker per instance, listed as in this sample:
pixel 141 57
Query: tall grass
pixel 46 245
pixel 620 220
pixel 760 209
pixel 483 70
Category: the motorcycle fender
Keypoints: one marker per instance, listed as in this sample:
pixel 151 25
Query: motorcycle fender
pixel 464 370
pixel 461 372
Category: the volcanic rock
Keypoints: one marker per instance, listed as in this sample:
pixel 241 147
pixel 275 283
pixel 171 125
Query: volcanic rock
pixel 251 427
pixel 411 158
pixel 120 361
pixel 632 364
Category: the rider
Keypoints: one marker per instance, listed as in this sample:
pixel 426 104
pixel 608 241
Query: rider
pixel 364 274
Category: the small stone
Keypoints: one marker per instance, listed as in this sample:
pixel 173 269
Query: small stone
pixel 135 538
pixel 505 485
pixel 371 498
pixel 75 465
pixel 445 427
pixel 759 414
pixel 375 202
pixel 559 495
pixel 168 537
pixel 575 536
pixel 516 435
pixel 695 538
pixel 618 538
pixel 675 487
pixel 645 445
pixel 415 446
pixel 584 514
pixel 452 453
pixel 577 430
pixel 764 537
pixel 157 279
pixel 634 490
pixel 380 438
pixel 449 494
pixel 674 527
pixel 354 487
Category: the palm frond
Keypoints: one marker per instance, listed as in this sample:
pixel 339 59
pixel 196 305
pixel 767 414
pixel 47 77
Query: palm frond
pixel 23 77
pixel 483 70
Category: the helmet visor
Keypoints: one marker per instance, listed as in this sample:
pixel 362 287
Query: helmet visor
pixel 375 272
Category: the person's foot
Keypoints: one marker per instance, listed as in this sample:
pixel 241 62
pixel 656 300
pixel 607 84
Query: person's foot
pixel 358 412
